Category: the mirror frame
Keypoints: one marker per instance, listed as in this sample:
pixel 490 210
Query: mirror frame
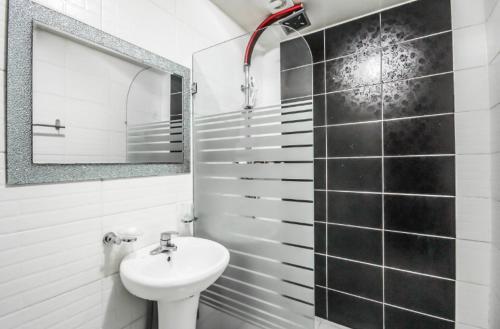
pixel 22 17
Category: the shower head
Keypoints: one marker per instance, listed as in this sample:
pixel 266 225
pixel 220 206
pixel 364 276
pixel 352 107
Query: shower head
pixel 295 22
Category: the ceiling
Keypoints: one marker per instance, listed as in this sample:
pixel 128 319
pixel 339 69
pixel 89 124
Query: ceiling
pixel 322 13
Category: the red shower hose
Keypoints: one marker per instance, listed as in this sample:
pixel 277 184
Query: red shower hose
pixel 268 21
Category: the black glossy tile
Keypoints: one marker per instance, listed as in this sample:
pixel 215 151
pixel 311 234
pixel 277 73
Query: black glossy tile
pixel 430 95
pixel 422 254
pixel 420 175
pixel 355 278
pixel 420 293
pixel 363 104
pixel 319 142
pixel 320 206
pixel 296 82
pixel 353 71
pixel 417 214
pixel 175 84
pixel 320 174
pixel 418 58
pixel 175 106
pixel 320 238
pixel 320 302
pixel 355 209
pixel 416 19
pixel 319 78
pixel 294 53
pixel 355 140
pixel 427 135
pixel 354 312
pixel 320 270
pixel 351 37
pixel 355 175
pixel 355 243
pixel 396 318
pixel 316 43
pixel 319 108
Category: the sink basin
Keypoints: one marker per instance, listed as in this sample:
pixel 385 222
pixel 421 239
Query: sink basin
pixel 175 279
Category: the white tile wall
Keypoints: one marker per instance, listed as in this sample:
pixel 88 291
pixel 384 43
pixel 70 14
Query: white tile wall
pixel 54 270
pixel 471 89
pixel 467 13
pixel 472 304
pixel 469 47
pixel 493 40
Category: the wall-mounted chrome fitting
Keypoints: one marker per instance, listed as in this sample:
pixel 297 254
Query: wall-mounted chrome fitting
pixel 127 236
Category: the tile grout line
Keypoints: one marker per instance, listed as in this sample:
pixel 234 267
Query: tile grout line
pixel 382 175
pixel 325 107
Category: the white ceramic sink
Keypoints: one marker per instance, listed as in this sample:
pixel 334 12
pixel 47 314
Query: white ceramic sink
pixel 175 284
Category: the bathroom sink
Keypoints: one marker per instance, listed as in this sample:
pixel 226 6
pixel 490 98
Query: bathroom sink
pixel 175 278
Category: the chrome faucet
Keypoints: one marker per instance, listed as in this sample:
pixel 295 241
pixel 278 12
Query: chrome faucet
pixel 166 245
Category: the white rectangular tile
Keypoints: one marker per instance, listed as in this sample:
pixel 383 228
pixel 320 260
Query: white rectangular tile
pixel 2 111
pixel 494 70
pixel 473 218
pixel 471 89
pixel 467 12
pixel 473 261
pixel 473 175
pixel 495 176
pixel 493 37
pixel 472 304
pixel 469 47
pixel 472 132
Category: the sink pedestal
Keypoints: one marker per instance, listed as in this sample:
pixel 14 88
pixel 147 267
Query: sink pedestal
pixel 178 314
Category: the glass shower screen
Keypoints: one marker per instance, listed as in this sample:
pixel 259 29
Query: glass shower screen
pixel 253 176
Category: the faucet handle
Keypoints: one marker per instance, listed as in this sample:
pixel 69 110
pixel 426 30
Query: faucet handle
pixel 166 236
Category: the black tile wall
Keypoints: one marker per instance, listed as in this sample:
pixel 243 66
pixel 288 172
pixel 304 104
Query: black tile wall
pixel 418 58
pixel 319 78
pixel 363 104
pixel 295 53
pixel 316 45
pixel 424 135
pixel 359 244
pixel 397 319
pixel 384 166
pixel 355 278
pixel 320 206
pixel 420 293
pixel 353 71
pixel 355 140
pixel 420 175
pixel 320 242
pixel 320 296
pixel 422 254
pixel 352 37
pixel 416 19
pixel 296 82
pixel 364 174
pixel 354 312
pixel 319 108
pixel 320 270
pixel 319 142
pixel 423 96
pixel 344 208
pixel 320 174
pixel 420 214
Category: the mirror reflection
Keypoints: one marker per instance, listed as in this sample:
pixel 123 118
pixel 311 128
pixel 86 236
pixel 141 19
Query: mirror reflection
pixel 93 106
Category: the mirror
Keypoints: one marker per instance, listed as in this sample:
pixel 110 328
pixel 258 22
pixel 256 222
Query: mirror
pixel 85 105
pixel 93 106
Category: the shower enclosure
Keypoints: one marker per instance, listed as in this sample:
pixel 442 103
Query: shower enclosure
pixel 253 176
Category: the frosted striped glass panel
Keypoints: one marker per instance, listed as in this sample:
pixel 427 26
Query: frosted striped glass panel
pixel 155 142
pixel 254 194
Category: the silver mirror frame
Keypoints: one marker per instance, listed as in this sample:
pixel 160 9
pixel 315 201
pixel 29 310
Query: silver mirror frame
pixel 22 15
